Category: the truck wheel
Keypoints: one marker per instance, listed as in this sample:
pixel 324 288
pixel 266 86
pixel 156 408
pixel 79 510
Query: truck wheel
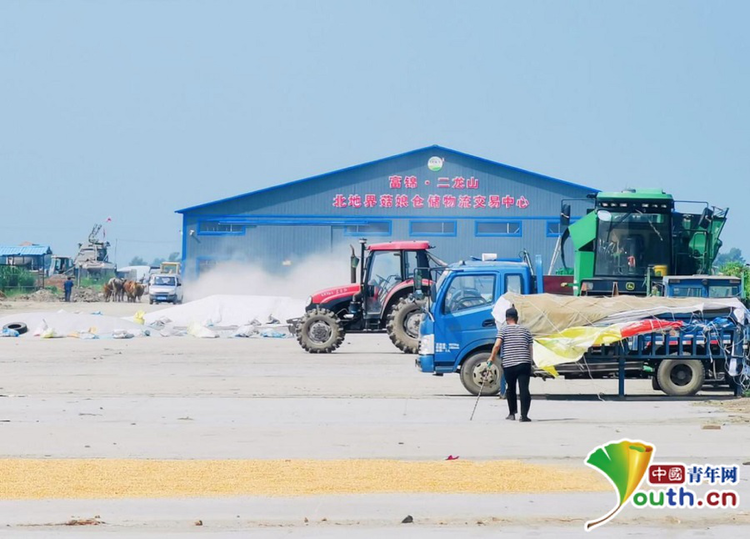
pixel 680 377
pixel 655 384
pixel 320 331
pixel 472 370
pixel 403 324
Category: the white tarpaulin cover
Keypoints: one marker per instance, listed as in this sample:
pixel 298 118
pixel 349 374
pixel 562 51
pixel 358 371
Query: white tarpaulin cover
pixel 230 311
pixel 547 314
pixel 564 327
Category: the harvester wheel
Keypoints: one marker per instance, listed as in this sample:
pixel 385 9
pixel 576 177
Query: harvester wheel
pixel 680 377
pixel 403 324
pixel 320 331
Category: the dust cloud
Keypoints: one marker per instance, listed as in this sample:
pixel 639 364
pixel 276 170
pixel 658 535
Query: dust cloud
pixel 298 281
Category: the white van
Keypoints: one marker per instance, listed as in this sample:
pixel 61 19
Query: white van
pixel 165 287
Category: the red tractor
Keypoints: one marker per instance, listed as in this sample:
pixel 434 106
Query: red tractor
pixel 383 299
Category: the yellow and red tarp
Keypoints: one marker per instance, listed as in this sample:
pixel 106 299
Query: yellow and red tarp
pixel 570 344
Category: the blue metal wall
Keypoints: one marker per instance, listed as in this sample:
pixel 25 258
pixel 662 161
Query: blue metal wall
pixel 319 215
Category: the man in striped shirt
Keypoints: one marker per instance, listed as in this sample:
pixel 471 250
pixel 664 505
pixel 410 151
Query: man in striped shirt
pixel 517 352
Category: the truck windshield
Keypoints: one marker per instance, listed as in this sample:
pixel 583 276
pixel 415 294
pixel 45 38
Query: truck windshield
pixel 435 288
pixel 164 281
pixel 442 278
pixel 687 292
pixel 629 242
pixel 723 291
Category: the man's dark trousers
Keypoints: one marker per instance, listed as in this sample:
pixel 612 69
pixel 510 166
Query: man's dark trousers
pixel 522 374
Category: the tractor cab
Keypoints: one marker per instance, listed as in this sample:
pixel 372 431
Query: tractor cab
pixel 379 297
pixel 389 267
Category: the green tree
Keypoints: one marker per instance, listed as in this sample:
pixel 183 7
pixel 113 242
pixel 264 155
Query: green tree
pixel 157 262
pixel 138 261
pixel 174 257
pixel 13 277
pixel 733 255
pixel 737 269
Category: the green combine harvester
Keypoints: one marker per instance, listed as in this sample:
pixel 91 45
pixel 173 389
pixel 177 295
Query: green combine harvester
pixel 630 240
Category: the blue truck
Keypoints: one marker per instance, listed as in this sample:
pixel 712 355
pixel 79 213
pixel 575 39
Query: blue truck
pixel 458 331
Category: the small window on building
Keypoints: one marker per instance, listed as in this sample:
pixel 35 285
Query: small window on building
pixel 218 227
pixel 432 228
pixel 553 228
pixel 498 228
pixel 379 228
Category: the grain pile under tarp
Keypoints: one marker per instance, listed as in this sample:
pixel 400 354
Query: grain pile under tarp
pixel 230 311
pixel 68 324
pixel 34 479
pixel 547 314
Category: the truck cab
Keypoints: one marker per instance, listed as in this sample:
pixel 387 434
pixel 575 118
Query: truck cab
pixel 458 331
pixel 702 286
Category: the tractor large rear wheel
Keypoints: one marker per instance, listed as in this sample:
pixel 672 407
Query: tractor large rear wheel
pixel 320 331
pixel 403 324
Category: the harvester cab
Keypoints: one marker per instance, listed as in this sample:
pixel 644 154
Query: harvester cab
pixel 380 298
pixel 630 240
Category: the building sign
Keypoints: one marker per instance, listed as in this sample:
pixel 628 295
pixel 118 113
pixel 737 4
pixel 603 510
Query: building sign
pixel 459 192
pixel 435 163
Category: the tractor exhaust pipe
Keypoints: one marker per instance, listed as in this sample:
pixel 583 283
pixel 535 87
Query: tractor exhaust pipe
pixel 354 262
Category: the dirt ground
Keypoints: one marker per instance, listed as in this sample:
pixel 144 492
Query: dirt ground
pixel 181 399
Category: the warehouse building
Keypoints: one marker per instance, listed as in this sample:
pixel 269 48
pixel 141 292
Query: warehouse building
pixel 462 204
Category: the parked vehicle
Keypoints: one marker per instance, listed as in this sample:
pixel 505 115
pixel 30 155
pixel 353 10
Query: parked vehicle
pixel 459 330
pixel 382 300
pixel 165 288
pixel 633 238
pixel 170 267
pixel 701 286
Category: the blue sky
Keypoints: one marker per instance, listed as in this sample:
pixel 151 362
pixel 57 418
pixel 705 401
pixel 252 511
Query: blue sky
pixel 135 109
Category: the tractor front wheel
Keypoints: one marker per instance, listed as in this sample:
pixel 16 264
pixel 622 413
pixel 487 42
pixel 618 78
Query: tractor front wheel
pixel 403 324
pixel 320 331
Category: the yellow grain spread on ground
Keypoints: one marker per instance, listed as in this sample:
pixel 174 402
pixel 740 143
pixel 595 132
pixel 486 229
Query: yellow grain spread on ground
pixel 110 478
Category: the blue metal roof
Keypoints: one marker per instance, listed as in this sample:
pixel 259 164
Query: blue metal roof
pixel 488 264
pixel 355 167
pixel 25 250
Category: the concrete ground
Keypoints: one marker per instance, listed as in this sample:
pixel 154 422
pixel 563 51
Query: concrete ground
pixel 185 398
